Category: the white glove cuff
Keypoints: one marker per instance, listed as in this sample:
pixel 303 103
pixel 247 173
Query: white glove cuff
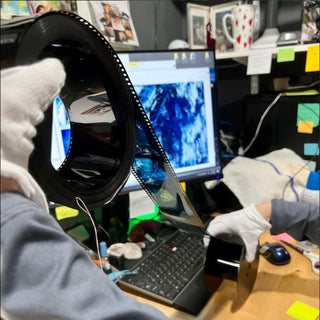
pixel 253 214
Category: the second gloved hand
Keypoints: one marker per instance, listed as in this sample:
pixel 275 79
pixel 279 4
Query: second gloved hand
pixel 246 223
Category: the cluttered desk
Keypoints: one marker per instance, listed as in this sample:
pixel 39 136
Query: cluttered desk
pixel 111 135
pixel 280 292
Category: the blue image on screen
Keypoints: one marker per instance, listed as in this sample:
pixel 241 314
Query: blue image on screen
pixel 66 139
pixel 177 113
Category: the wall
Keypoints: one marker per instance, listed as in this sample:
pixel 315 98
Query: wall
pixel 158 22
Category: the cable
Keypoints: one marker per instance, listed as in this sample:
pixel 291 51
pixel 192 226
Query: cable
pixel 84 208
pixel 303 87
pixel 241 153
pixel 291 179
pixel 105 232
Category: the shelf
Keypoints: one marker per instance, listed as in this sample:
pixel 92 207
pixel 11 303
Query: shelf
pixel 243 54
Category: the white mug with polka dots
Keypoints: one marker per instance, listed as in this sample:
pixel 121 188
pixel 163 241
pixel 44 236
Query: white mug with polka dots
pixel 242 26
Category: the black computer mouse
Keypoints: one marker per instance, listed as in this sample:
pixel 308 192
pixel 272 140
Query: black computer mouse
pixel 275 253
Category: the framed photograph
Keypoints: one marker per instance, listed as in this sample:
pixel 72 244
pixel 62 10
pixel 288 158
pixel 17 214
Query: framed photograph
pixel 112 18
pixel 309 30
pixel 216 14
pixel 12 8
pixel 197 20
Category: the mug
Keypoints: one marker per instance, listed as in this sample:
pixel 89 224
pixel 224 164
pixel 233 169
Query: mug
pixel 242 26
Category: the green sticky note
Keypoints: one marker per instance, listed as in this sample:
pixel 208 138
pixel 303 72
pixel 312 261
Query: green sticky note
pixel 311 149
pixel 285 54
pixel 308 112
pixel 302 311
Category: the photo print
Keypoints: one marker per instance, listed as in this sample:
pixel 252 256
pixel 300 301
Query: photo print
pixel 198 18
pixel 113 20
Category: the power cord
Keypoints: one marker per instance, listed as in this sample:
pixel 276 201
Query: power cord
pixel 242 152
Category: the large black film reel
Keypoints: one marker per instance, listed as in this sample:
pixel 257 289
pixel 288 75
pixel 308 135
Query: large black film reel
pixel 101 153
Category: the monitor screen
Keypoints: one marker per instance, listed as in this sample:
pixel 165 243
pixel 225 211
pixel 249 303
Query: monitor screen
pixel 60 140
pixel 179 94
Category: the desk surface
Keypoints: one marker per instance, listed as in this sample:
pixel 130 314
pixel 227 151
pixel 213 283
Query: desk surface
pixel 275 290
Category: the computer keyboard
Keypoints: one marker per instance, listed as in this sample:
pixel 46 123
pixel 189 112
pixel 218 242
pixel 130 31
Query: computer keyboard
pixel 169 268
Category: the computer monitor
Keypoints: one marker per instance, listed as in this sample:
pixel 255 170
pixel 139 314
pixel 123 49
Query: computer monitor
pixel 179 94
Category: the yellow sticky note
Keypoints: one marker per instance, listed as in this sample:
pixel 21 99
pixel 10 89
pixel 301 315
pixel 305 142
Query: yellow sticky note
pixel 305 127
pixel 184 186
pixel 302 311
pixel 312 60
pixel 65 212
pixel 285 54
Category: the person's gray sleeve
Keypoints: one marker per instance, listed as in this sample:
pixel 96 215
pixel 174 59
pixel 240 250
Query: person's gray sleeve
pixel 46 275
pixel 299 219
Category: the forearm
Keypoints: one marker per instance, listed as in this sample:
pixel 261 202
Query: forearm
pixel 299 219
pixel 53 277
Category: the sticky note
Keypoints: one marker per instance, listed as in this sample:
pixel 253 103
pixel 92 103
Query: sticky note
pixel 311 149
pixel 305 127
pixel 65 212
pixel 285 54
pixel 312 60
pixel 282 236
pixel 302 311
pixel 259 62
pixel 140 203
pixel 311 92
pixel 308 112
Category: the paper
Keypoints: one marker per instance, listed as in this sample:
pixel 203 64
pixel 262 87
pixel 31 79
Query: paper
pixel 259 62
pixel 312 60
pixel 311 149
pixel 308 112
pixel 285 55
pixel 65 212
pixel 140 204
pixel 305 127
pixel 282 236
pixel 302 311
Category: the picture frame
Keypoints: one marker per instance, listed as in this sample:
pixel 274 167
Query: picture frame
pixel 309 30
pixel 216 14
pixel 197 20
pixel 11 8
pixel 113 19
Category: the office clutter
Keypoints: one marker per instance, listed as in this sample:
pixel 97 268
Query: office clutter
pixel 235 25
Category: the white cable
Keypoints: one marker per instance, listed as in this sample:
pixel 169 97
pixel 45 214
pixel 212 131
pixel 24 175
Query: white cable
pixel 260 123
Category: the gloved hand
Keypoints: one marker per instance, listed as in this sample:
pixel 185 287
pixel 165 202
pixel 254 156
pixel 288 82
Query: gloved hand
pixel 26 92
pixel 246 223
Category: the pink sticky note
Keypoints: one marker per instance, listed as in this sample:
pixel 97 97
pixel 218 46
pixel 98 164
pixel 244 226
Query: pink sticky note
pixel 282 236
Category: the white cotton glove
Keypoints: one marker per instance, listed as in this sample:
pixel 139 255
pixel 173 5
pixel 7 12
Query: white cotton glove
pixel 246 223
pixel 26 92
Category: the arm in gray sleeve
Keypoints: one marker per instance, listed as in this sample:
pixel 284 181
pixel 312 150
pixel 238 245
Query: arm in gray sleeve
pixel 299 219
pixel 46 275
